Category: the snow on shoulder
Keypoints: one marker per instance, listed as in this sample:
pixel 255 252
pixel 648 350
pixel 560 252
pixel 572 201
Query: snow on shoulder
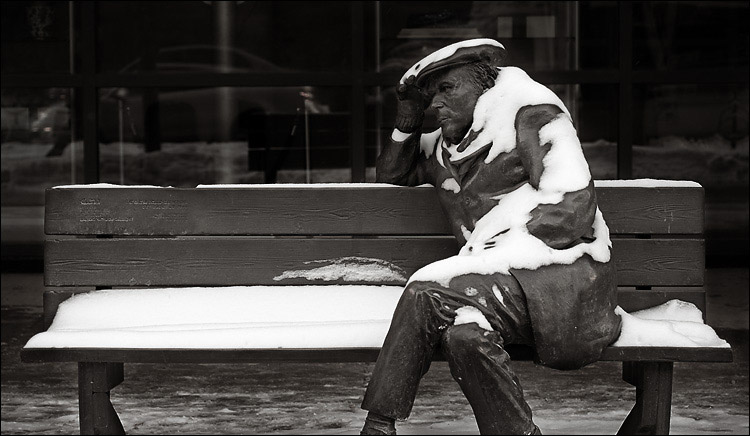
pixel 496 109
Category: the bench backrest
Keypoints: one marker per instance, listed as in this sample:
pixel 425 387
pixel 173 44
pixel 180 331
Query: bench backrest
pixel 219 236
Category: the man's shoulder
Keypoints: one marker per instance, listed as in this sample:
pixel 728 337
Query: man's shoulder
pixel 537 115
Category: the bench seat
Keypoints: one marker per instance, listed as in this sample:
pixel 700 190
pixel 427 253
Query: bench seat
pixel 263 320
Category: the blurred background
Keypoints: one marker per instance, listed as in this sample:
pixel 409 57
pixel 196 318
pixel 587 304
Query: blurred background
pixel 180 93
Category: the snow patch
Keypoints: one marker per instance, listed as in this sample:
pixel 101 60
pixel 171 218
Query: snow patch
pixel 351 269
pixel 298 185
pixel 470 314
pixel 428 142
pixel 646 183
pixel 672 324
pixel 399 136
pixel 105 185
pixel 444 53
pixel 451 185
pixel 259 317
pixel 498 294
pixel 271 317
pixel 465 232
pixel 471 292
pixel 501 242
pixel 565 166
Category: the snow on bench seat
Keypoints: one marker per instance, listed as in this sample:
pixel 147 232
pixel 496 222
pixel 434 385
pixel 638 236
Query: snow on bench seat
pixel 224 317
pixel 291 317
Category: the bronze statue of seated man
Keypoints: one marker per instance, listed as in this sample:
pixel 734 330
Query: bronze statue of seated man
pixel 535 264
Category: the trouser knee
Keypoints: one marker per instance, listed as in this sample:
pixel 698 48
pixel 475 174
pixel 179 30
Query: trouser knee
pixel 469 341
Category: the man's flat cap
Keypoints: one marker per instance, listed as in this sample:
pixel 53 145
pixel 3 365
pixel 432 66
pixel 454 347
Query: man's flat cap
pixel 463 52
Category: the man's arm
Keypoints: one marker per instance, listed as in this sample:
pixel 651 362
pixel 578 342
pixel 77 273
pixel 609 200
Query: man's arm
pixel 401 162
pixel 567 222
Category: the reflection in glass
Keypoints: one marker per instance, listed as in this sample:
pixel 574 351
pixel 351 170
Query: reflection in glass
pixel 699 34
pixel 189 136
pixel 38 146
pixel 597 124
pixel 225 36
pixel 36 36
pixel 538 35
pixel 692 132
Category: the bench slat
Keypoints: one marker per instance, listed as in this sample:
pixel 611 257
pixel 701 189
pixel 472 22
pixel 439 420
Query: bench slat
pixel 357 210
pixel 216 261
pixel 656 210
pixel 658 354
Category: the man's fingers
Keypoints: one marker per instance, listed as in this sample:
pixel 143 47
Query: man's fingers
pixel 401 91
pixel 410 80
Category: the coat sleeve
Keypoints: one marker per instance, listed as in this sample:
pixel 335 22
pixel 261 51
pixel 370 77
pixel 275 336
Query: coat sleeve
pixel 570 221
pixel 403 163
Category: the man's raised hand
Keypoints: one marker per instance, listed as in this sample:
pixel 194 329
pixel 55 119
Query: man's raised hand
pixel 411 105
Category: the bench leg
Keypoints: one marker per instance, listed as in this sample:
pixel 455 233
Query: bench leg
pixel 653 397
pixel 95 380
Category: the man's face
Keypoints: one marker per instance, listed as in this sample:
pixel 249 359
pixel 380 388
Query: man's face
pixel 454 96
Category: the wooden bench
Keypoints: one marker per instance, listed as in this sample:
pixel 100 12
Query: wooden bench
pixel 102 237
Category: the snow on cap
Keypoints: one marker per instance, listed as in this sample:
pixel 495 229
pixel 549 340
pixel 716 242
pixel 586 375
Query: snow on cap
pixel 462 52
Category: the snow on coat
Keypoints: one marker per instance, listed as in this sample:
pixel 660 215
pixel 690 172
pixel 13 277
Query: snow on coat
pixel 518 194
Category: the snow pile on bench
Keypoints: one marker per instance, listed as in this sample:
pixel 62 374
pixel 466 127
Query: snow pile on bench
pixel 294 317
pixel 259 317
pixel 675 323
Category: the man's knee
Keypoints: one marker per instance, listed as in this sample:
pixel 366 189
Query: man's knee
pixel 468 339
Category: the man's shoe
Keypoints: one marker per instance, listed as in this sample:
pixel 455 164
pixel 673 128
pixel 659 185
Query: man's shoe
pixel 377 425
pixel 536 431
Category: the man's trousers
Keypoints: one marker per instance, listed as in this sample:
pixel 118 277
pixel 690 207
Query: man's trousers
pixel 423 322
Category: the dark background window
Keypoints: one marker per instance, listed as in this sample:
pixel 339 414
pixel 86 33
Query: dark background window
pixel 184 92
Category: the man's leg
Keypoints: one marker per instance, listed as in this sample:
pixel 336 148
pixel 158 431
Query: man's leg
pixel 423 313
pixel 480 365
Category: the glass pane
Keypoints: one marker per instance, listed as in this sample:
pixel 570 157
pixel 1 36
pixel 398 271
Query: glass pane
pixel 590 105
pixel 598 35
pixel 258 36
pixel 693 132
pixel 597 126
pixel 35 37
pixel 37 153
pixel 186 137
pixel 699 34
pixel 538 35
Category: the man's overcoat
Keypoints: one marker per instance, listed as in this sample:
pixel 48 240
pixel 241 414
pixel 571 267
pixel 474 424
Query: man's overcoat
pixel 571 306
